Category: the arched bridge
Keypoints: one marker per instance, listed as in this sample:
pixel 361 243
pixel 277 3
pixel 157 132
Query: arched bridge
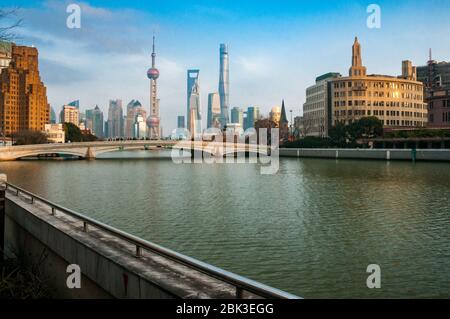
pixel 89 150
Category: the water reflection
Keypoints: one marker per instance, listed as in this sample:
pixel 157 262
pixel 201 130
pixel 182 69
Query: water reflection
pixel 311 229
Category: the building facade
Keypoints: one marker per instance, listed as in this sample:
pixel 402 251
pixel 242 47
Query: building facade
pixel 140 127
pixel 275 114
pixel 237 116
pixel 5 54
pixel 434 74
pixel 23 96
pixel 252 117
pixel 194 116
pixel 439 107
pixel 436 79
pixel 70 114
pixel 317 108
pixel 133 109
pixel 180 121
pixel 224 84
pixel 214 112
pixel 55 133
pixel 94 121
pixel 115 119
pixel 397 101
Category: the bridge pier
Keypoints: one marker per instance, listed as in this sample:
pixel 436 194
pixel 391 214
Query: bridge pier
pixel 90 155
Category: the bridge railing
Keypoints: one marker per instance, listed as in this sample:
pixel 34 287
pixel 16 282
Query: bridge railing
pixel 241 284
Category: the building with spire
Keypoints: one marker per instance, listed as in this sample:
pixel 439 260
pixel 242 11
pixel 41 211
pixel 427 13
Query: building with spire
pixel 194 114
pixel 357 68
pixel 283 125
pixel 398 101
pixel 224 84
pixel 153 120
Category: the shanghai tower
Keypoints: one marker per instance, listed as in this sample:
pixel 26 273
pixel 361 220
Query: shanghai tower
pixel 224 85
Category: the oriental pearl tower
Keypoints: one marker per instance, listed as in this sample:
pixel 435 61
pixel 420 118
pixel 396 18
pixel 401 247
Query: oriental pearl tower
pixel 153 119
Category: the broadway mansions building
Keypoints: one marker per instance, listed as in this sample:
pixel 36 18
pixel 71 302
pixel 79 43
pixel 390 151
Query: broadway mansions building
pixel 23 96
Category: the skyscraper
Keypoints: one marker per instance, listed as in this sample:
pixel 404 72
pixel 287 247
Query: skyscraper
pixel 23 96
pixel 75 103
pixel 97 122
pixel 180 121
pixel 115 119
pixel 140 128
pixel 214 112
pixel 237 116
pixel 193 101
pixel 133 109
pixel 224 84
pixel 70 114
pixel 153 120
pixel 52 116
pixel 252 116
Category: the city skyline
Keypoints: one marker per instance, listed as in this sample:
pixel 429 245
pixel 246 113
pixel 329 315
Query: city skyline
pixel 295 58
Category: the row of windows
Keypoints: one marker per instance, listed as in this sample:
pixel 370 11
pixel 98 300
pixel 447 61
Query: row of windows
pixel 381 94
pixel 379 113
pixel 445 103
pixel 380 103
pixel 392 122
pixel 446 117
pixel 378 85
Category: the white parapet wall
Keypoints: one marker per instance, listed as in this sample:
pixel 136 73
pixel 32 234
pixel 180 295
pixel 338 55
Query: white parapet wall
pixel 374 154
pixel 108 264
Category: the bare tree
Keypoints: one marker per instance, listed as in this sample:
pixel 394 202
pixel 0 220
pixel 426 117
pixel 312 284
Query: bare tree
pixel 9 22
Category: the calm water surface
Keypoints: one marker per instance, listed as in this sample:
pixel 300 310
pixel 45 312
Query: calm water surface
pixel 311 229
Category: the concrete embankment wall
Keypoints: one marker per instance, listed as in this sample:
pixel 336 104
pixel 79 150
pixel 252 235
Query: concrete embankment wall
pixel 373 154
pixel 108 265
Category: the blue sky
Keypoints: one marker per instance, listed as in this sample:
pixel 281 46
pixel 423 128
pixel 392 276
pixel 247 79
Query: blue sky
pixel 277 48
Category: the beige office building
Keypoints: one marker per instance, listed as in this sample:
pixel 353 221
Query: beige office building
pixel 317 108
pixel 70 114
pixel 397 101
pixel 55 133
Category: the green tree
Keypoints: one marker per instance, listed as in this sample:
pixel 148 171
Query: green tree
pixel 339 135
pixel 74 134
pixel 366 127
pixel 30 137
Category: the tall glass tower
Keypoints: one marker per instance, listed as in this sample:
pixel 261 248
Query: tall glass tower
pixel 224 85
pixel 193 113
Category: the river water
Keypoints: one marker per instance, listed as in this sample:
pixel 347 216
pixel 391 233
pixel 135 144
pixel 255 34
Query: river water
pixel 312 229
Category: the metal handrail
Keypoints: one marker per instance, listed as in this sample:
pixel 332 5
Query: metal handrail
pixel 240 283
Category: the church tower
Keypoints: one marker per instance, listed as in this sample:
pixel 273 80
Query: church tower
pixel 357 68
